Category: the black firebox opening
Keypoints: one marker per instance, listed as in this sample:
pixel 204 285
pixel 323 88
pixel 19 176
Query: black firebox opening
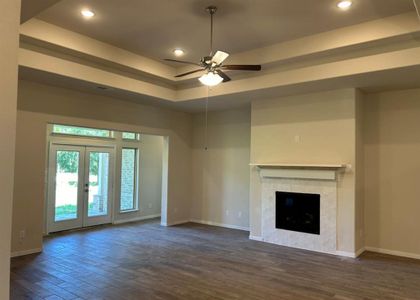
pixel 298 212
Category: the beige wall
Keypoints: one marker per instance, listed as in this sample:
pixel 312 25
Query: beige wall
pixel 221 174
pixel 40 104
pixel 392 171
pixel 314 128
pixel 9 29
pixel 359 174
pixel 150 177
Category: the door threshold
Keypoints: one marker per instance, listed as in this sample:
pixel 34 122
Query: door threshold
pixel 79 229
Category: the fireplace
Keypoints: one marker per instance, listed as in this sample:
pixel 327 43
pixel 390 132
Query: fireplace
pixel 299 206
pixel 298 212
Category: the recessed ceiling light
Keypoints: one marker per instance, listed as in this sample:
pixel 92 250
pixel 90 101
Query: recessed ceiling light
pixel 344 4
pixel 178 52
pixel 87 13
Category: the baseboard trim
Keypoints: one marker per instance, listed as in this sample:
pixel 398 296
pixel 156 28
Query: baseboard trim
pixel 360 251
pixel 25 252
pixel 346 254
pixel 136 219
pixel 256 238
pixel 219 224
pixel 174 223
pixel 350 254
pixel 393 252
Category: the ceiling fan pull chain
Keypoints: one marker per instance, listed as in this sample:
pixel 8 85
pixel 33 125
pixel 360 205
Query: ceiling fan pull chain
pixel 417 9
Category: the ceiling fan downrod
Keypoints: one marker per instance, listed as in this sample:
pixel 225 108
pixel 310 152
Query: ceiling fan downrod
pixel 213 64
pixel 211 10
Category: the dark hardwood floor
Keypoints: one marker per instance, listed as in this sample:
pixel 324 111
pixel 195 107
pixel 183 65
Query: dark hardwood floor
pixel 191 261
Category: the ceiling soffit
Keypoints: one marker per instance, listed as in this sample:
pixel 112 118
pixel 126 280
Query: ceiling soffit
pixel 388 39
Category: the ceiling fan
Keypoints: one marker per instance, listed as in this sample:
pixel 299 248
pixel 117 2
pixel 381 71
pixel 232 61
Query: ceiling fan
pixel 213 63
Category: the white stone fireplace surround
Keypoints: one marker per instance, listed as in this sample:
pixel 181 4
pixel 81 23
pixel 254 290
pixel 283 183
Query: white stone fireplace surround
pixel 312 179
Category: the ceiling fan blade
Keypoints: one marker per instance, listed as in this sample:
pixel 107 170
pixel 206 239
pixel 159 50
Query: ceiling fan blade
pixel 223 75
pixel 182 62
pixel 219 57
pixel 243 67
pixel 188 73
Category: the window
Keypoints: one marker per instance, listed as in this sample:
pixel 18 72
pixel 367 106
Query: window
pixel 82 131
pixel 128 197
pixel 130 136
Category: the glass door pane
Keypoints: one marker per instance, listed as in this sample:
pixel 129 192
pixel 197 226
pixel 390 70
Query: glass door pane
pixel 66 185
pixel 98 184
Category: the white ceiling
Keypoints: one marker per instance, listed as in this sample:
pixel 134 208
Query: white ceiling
pixel 154 27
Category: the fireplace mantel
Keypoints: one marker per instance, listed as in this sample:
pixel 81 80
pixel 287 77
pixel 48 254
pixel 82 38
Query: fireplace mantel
pixel 301 171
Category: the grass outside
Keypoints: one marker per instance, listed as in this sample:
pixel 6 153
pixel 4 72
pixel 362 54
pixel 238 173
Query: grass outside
pixel 65 211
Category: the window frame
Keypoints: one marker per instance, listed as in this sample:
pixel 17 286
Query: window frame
pixel 136 198
pixel 70 135
pixel 135 140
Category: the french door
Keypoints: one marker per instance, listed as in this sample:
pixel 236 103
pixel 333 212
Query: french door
pixel 79 186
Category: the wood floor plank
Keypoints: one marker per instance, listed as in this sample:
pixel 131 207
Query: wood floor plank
pixel 146 261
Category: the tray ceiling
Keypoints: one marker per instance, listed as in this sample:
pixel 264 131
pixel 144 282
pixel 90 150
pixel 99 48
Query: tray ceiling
pixel 155 27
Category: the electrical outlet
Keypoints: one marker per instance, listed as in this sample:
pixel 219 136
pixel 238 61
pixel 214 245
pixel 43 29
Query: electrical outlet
pixel 175 210
pixel 22 234
pixel 150 205
pixel 297 138
pixel 227 212
pixel 240 214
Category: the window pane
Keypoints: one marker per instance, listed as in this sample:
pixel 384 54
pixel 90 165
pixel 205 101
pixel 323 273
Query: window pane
pixel 66 185
pixel 128 179
pixel 73 130
pixel 129 136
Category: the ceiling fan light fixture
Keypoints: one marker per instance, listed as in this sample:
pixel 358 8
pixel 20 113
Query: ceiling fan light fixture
pixel 211 79
pixel 344 5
